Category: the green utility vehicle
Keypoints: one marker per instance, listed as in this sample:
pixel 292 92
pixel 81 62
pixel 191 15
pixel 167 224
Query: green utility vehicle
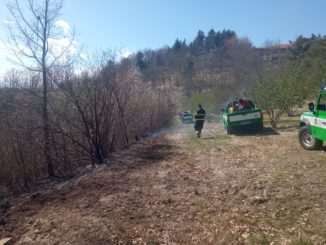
pixel 312 131
pixel 186 117
pixel 242 113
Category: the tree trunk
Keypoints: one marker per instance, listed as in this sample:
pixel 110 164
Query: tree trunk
pixel 46 124
pixel 46 127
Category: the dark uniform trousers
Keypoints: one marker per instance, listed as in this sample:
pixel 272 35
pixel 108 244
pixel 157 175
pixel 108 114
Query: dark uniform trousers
pixel 200 118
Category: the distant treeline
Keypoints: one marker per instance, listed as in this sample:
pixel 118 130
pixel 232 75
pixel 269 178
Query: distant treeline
pixel 223 66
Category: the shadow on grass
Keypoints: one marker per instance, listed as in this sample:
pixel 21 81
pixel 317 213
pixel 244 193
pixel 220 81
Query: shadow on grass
pixel 142 154
pixel 247 131
pixel 156 153
pixel 217 137
pixel 208 138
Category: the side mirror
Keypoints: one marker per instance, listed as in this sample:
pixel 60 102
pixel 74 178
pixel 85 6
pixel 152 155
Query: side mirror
pixel 311 106
pixel 222 110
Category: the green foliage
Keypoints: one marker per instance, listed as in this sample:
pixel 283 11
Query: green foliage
pixel 140 61
pixel 206 99
pixel 198 45
pixel 211 100
pixel 210 41
pixel 281 88
pixel 223 66
pixel 316 59
pixel 259 238
pixel 216 61
pixel 268 94
pixel 288 85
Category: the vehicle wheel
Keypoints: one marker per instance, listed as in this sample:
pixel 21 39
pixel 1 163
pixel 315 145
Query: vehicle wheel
pixel 260 127
pixel 228 130
pixel 307 141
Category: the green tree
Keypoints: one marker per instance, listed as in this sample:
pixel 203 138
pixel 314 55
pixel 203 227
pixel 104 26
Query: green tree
pixel 210 41
pixel 223 36
pixel 282 88
pixel 197 47
pixel 177 45
pixel 140 61
pixel 268 93
pixel 302 45
pixel 317 59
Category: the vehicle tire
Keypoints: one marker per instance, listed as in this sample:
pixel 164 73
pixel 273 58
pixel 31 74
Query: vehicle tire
pixel 307 141
pixel 260 127
pixel 228 130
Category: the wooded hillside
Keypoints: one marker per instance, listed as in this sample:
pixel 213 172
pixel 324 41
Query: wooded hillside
pixel 101 109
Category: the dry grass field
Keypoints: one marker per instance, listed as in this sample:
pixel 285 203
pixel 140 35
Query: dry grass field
pixel 176 189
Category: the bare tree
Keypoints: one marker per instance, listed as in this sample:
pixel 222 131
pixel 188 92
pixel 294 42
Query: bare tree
pixel 32 34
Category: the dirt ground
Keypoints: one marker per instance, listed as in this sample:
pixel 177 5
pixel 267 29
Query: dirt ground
pixel 177 189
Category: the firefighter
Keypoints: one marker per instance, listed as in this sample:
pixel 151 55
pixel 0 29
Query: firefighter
pixel 200 118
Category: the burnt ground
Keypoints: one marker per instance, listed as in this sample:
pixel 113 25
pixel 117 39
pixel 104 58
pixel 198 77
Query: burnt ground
pixel 177 189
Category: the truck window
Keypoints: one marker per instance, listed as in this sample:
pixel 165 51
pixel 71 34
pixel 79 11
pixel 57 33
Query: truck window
pixel 322 103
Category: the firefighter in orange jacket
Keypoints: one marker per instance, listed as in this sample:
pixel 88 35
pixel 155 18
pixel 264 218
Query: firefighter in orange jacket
pixel 200 118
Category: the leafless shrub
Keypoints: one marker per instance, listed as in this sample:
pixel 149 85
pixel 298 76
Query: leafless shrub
pixel 91 115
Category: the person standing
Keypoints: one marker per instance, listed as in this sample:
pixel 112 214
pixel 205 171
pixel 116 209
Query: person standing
pixel 200 118
pixel 244 104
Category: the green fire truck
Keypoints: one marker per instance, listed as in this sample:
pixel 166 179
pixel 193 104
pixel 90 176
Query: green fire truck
pixel 312 131
pixel 236 116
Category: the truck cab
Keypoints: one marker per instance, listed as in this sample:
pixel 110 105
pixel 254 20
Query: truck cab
pixel 312 132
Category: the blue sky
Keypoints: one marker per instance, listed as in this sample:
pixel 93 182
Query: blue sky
pixel 140 24
pixel 154 23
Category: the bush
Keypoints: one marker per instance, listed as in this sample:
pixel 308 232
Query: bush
pixel 92 114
